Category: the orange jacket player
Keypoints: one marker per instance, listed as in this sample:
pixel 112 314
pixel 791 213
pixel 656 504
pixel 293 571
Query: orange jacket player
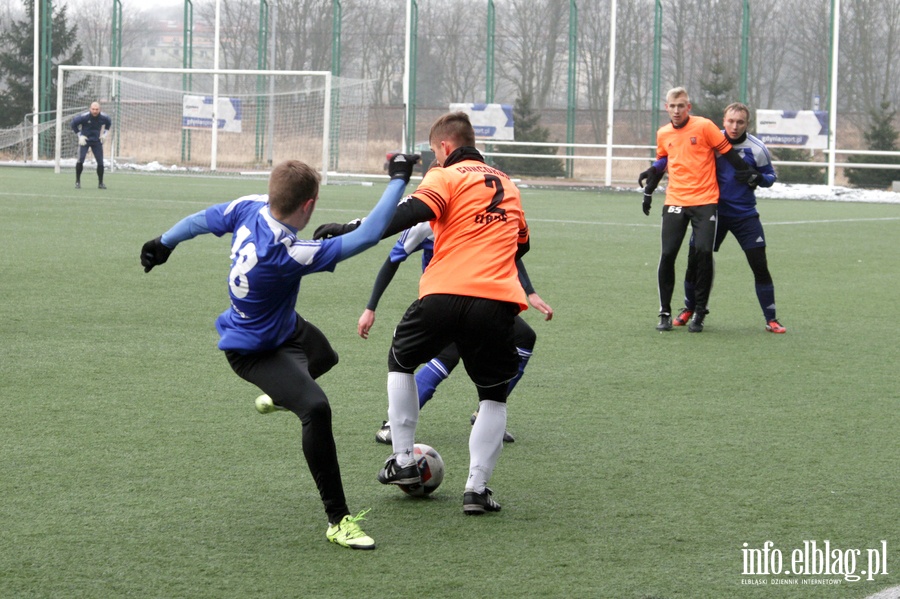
pixel 468 295
pixel 478 226
pixel 691 152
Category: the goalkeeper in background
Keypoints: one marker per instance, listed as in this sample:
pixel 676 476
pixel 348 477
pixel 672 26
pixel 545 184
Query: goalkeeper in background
pixel 91 127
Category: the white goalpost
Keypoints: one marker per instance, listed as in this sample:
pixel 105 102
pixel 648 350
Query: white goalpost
pixel 185 119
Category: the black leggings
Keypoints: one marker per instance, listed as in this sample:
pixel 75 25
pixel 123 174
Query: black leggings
pixel 674 226
pixel 287 374
pixel 96 148
pixel 756 258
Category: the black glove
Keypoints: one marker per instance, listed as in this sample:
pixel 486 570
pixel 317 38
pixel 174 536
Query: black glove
pixel 401 166
pixel 750 176
pixel 154 253
pixel 651 177
pixel 329 230
pixel 648 199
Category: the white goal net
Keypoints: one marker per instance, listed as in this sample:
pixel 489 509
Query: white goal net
pixel 164 118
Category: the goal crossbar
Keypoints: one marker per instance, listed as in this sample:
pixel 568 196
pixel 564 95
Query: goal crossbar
pixel 326 75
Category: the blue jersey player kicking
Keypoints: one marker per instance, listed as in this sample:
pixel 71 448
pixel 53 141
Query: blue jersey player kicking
pixel 91 127
pixel 738 214
pixel 264 339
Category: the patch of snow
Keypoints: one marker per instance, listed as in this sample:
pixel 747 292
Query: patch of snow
pixel 791 191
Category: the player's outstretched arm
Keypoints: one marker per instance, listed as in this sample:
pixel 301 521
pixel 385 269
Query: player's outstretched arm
pixel 373 226
pixel 157 251
pixel 329 230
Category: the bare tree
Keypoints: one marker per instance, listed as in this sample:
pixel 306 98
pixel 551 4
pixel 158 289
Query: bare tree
pixel 452 51
pixel 679 47
pixel 304 35
pixel 788 48
pixel 239 28
pixel 527 49
pixel 9 11
pixel 767 60
pixel 593 33
pixel 95 32
pixel 373 47
pixel 696 35
pixel 634 54
pixel 869 52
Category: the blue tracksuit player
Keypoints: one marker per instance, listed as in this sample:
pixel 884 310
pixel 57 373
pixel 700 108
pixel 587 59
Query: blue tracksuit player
pixel 738 214
pixel 91 127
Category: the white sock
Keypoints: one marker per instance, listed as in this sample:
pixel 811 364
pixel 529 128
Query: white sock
pixel 403 414
pixel 485 443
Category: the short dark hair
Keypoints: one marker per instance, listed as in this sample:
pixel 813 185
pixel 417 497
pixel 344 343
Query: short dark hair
pixel 738 106
pixel 454 127
pixel 292 184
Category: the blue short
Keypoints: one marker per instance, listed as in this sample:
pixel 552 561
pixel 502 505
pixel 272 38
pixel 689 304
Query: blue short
pixel 748 232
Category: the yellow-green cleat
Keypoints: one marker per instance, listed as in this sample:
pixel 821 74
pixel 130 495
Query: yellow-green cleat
pixel 265 405
pixel 347 533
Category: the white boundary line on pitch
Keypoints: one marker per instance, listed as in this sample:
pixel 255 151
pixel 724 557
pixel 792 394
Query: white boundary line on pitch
pixel 843 220
pixel 75 194
pixel 656 224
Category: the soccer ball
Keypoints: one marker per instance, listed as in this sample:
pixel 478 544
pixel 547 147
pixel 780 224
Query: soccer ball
pixel 431 468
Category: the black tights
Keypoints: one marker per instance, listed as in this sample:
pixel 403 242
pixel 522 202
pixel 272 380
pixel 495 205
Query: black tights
pixel 79 167
pixel 287 374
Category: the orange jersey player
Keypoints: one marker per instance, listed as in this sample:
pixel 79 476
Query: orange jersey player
pixel 691 151
pixel 469 295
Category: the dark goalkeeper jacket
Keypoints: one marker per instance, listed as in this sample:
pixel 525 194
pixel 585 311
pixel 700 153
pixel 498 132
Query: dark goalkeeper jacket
pixel 90 126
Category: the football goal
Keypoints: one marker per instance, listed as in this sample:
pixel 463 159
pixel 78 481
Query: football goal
pixel 222 120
